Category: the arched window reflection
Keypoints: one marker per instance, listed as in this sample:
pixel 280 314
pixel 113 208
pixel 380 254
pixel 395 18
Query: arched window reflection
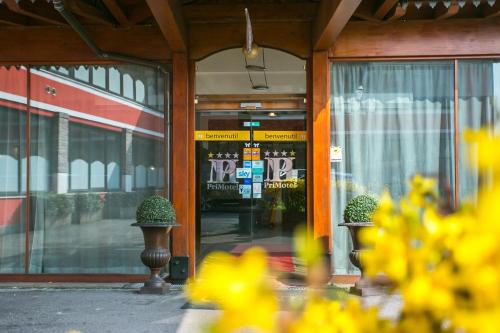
pixel 128 86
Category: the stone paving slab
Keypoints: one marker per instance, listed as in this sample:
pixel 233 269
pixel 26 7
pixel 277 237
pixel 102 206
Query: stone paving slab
pixel 42 308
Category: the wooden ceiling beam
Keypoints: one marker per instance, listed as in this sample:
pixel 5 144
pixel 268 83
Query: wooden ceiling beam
pixel 442 13
pixel 9 18
pixel 41 11
pixel 365 12
pixel 58 45
pixel 292 12
pixel 396 13
pixel 87 11
pixel 332 17
pixel 168 15
pixel 384 8
pixel 116 10
pixel 138 13
pixel 491 11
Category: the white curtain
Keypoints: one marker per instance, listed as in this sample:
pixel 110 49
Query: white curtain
pixel 478 107
pixel 391 120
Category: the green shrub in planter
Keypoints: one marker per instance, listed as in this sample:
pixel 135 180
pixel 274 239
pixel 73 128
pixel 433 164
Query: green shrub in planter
pixel 59 205
pixel 360 209
pixel 89 202
pixel 156 210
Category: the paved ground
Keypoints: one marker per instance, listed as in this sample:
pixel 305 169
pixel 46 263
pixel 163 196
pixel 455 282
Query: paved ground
pixel 111 308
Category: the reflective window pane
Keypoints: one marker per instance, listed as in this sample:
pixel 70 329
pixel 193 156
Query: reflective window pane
pixel 12 158
pixel 99 76
pixel 82 74
pixel 390 120
pixel 82 195
pixel 114 78
pixel 478 107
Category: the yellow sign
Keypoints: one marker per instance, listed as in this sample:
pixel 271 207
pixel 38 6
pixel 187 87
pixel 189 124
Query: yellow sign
pixel 247 154
pixel 222 135
pixel 280 135
pixel 255 154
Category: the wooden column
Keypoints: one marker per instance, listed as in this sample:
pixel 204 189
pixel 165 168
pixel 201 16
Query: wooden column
pixel 318 122
pixel 192 171
pixel 180 152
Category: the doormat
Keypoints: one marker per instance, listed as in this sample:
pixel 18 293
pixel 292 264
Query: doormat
pixel 280 255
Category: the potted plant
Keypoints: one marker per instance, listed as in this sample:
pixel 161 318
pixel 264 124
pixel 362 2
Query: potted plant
pixel 358 214
pixel 89 207
pixel 59 209
pixel 156 217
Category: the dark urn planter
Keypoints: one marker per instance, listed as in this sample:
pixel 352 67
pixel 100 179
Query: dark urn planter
pixel 364 287
pixel 155 255
pixel 354 229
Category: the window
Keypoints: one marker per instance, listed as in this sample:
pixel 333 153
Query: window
pixel 478 107
pixel 140 92
pixel 147 160
pixel 94 158
pixel 81 73
pixel 99 77
pixel 114 78
pixel 391 120
pixel 128 86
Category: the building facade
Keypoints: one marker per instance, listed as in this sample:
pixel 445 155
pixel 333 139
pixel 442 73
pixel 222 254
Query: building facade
pixel 156 97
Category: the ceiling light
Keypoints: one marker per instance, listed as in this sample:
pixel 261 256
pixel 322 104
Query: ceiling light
pixel 272 114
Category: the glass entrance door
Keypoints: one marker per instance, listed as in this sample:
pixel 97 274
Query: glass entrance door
pixel 251 182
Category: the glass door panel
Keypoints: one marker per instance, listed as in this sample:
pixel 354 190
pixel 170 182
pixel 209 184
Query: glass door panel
pixel 251 172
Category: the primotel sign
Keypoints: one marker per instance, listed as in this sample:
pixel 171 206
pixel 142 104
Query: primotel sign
pixel 222 135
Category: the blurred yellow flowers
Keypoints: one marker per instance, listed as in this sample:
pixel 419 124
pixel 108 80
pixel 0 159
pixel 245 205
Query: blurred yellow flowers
pixel 446 266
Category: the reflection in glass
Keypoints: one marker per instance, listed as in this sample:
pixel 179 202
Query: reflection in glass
pixel 12 190
pixel 231 221
pixel 82 73
pixel 478 107
pixel 391 120
pixel 99 76
pixel 82 195
pixel 114 78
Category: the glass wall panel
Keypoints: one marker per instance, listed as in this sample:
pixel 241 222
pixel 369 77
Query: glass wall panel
pixel 12 169
pixel 478 107
pixel 390 120
pixel 83 199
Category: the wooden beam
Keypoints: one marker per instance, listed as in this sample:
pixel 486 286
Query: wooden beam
pixel 41 11
pixel 51 44
pixel 442 13
pixel 396 13
pixel 10 18
pixel 292 37
pixel 180 153
pixel 116 10
pixel 491 11
pixel 87 11
pixel 220 13
pixel 384 8
pixel 318 149
pixel 419 38
pixel 139 13
pixel 168 15
pixel 192 170
pixel 332 17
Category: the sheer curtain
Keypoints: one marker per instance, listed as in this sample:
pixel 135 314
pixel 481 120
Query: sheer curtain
pixel 478 107
pixel 391 120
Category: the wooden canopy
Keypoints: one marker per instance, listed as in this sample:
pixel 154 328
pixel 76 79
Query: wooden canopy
pixel 34 32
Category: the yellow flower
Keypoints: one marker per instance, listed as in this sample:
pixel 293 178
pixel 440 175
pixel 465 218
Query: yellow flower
pixel 235 284
pixel 306 247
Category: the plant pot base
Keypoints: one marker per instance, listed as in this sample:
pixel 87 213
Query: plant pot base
pixel 365 287
pixel 155 290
